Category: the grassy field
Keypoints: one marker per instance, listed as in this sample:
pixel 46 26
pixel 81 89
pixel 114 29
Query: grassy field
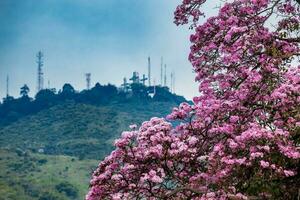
pixel 34 176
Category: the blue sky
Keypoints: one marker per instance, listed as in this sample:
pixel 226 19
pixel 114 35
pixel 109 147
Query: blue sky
pixel 108 38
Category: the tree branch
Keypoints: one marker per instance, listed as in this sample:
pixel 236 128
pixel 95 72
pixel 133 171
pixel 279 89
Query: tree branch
pixel 183 189
pixel 297 39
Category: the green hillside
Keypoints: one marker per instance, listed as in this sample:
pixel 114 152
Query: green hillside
pixel 31 176
pixel 76 129
pixel 50 155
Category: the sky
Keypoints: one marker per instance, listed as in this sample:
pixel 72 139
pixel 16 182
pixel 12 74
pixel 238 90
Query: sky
pixel 107 38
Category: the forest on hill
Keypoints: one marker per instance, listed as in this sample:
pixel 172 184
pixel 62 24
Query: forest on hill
pixel 12 109
pixel 50 144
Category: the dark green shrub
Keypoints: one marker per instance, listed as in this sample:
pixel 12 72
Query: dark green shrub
pixel 48 196
pixel 42 161
pixel 69 189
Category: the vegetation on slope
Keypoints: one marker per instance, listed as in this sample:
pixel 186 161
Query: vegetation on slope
pixel 49 145
pixel 13 109
pixel 32 176
pixel 74 129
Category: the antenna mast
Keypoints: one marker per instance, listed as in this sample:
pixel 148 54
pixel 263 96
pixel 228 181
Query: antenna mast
pixel 40 71
pixel 149 71
pixel 171 82
pixel 7 86
pixel 161 70
pixel 154 89
pixel 165 78
pixel 125 85
pixel 88 80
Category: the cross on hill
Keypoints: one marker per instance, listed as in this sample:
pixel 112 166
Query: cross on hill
pixel 144 79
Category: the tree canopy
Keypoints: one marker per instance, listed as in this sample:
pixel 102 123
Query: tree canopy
pixel 13 109
pixel 24 90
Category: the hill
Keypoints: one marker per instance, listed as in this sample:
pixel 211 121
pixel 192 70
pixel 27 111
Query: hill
pixel 12 109
pixel 32 176
pixel 50 153
pixel 77 129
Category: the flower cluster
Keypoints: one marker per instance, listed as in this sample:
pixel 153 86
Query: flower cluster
pixel 240 137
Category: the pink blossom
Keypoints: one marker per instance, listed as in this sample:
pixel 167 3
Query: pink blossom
pixel 244 119
pixel 288 173
pixel 234 119
pixel 264 164
pixel 133 126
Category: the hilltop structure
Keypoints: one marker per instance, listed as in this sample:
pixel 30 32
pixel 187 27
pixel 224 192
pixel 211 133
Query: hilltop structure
pixel 40 74
pixel 88 80
pixel 126 86
pixel 7 86
pixel 151 89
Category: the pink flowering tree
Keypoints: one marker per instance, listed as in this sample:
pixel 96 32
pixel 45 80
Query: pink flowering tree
pixel 240 138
